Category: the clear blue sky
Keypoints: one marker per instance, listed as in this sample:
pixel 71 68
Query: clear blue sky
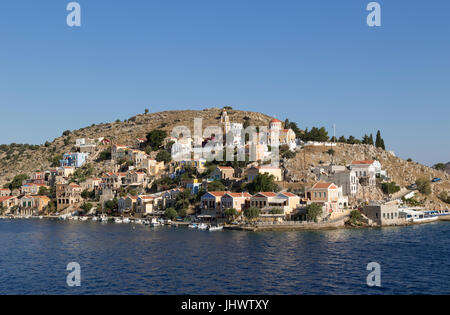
pixel 315 62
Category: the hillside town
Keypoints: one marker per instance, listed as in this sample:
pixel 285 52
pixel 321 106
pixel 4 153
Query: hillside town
pixel 168 179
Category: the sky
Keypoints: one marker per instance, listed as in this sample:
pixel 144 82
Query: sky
pixel 315 62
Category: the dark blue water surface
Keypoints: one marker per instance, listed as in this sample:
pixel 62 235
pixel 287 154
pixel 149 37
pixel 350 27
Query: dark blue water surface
pixel 129 259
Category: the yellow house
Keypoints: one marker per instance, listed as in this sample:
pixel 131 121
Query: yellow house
pixel 254 171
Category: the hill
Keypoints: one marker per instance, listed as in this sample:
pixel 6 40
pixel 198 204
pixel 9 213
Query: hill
pixel 400 171
pixel 24 159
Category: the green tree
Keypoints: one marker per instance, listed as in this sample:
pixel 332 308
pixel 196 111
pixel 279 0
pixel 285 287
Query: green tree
pixel 263 182
pixel 216 185
pixel 251 213
pixel 424 186
pixel 171 213
pixel 371 139
pixel 379 142
pixel 276 211
pixel 231 214
pixel 155 138
pixel 390 188
pixel 342 139
pixel 16 183
pixel 355 216
pixel 43 191
pixel 439 166
pixel 164 156
pixel 313 212
pixel 87 206
pixel 55 160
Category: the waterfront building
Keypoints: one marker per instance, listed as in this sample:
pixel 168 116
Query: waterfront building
pixel 68 195
pixel 329 195
pixel 238 201
pixel 127 204
pixel 384 214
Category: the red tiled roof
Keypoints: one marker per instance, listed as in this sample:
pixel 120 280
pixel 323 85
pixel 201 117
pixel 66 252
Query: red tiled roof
pixel 275 121
pixel 267 194
pixel 322 185
pixel 6 198
pixel 288 194
pixel 237 195
pixel 225 168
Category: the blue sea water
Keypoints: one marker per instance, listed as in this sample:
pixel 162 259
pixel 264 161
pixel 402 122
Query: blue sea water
pixel 134 259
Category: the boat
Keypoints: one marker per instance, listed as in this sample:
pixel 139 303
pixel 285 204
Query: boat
pixel 95 218
pixel 155 222
pixel 104 218
pixel 202 226
pixel 126 220
pixel 118 220
pixel 193 226
pixel 415 216
pixel 215 228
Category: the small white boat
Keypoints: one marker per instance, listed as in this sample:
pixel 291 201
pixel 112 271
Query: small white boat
pixel 155 222
pixel 193 226
pixel 138 221
pixel 104 219
pixel 215 228
pixel 95 218
pixel 202 226
pixel 118 220
pixel 126 220
pixel 84 218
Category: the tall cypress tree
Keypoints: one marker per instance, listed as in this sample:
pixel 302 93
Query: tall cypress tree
pixel 379 142
pixel 371 139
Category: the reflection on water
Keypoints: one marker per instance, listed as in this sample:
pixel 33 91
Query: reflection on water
pixel 123 258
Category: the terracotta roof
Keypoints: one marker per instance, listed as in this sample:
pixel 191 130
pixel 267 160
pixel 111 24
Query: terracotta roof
pixel 288 194
pixel 237 195
pixel 225 168
pixel 6 198
pixel 322 185
pixel 275 121
pixel 267 194
pixel 362 162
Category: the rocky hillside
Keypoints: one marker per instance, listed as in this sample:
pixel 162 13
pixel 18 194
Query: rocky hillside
pixel 24 159
pixel 401 171
pixel 19 159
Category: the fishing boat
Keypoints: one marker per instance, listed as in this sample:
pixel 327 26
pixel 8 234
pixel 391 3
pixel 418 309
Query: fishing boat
pixel 202 226
pixel 155 222
pixel 215 228
pixel 126 220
